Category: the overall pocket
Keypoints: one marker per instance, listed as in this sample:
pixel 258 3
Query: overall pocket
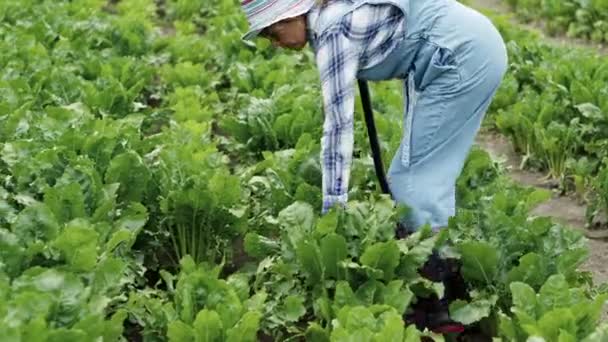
pixel 442 70
pixel 429 89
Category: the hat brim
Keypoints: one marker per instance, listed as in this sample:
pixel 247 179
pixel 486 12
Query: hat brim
pixel 252 34
pixel 255 32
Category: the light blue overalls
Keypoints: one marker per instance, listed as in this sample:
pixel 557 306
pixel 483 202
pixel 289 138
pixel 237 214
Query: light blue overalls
pixel 452 59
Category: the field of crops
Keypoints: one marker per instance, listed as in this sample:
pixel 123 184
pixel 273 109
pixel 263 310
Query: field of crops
pixel 160 181
pixel 553 107
pixel 575 18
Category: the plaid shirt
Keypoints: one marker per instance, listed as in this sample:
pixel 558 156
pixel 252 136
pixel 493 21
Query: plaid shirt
pixel 361 39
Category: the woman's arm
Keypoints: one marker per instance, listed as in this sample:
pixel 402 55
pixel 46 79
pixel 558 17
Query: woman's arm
pixel 365 34
pixel 338 62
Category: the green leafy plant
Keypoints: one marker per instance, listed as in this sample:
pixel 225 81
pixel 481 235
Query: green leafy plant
pixel 160 180
pixel 556 312
pixel 199 199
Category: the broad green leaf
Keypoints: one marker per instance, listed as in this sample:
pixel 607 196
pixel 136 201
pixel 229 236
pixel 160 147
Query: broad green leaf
pixel 207 326
pixel 256 302
pixel 7 212
pixel 416 250
pixel 178 331
pixel 341 334
pixel 479 261
pixel 524 302
pixel 569 261
pixel 554 293
pixel 310 194
pixel 297 221
pixel 344 295
pixel 588 313
pixel 590 111
pixel 600 334
pixel 107 204
pixel 333 251
pixel 109 274
pixel 506 327
pixel 532 270
pixel 581 94
pixel 36 329
pixel 246 329
pixel 354 318
pixel 309 257
pixel 392 328
pixel 93 325
pixel 127 227
pixel 133 218
pixel 370 292
pixel 12 253
pixel 397 295
pixel 322 308
pixel 29 304
pixel 78 244
pixel 555 321
pixel 259 246
pixel 240 283
pixel 128 169
pixel 468 313
pixel 187 264
pixel 113 328
pixel 535 338
pixel 315 333
pixel 118 237
pixel 327 223
pixel 66 201
pixel 35 223
pixel 66 335
pixel 226 189
pixel 383 256
pixel 365 271
pixel 293 308
pixel 425 287
pixel 412 334
pixel 565 336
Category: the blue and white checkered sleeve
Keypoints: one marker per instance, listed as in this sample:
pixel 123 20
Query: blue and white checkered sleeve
pixel 366 33
pixel 337 58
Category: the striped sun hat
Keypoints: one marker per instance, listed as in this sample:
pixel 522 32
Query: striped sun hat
pixel 263 13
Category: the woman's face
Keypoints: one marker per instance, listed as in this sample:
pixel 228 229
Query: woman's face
pixel 289 33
